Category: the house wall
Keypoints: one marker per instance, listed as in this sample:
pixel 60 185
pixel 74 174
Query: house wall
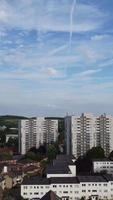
pixel 99 166
pixel 104 190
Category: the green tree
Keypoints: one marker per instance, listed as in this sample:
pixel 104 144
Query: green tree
pixel 2 138
pixel 51 152
pixel 6 156
pixel 33 156
pixel 111 155
pixel 95 152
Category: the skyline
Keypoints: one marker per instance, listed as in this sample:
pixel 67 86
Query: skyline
pixel 56 56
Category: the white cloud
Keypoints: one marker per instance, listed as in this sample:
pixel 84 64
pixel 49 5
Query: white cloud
pixel 31 15
pixel 88 73
pixel 99 37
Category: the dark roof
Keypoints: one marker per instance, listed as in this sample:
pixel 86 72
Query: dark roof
pixel 101 160
pixel 108 177
pixel 91 179
pixel 36 180
pixel 58 169
pixel 50 196
pixel 60 165
pixel 64 157
pixel 64 180
pixel 18 157
pixel 67 180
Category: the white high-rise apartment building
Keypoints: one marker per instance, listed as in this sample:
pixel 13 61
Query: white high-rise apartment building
pixel 86 131
pixel 104 133
pixel 80 135
pixel 34 132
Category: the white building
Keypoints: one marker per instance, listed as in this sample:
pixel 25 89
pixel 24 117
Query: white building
pixel 68 187
pixel 104 133
pixel 34 132
pixel 80 134
pixel 103 166
pixel 86 131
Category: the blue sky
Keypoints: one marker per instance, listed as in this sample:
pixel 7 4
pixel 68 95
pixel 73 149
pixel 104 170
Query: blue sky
pixel 56 56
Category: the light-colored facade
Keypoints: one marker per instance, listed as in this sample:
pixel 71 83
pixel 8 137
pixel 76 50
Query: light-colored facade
pixel 34 132
pixel 87 131
pixel 104 133
pixel 97 188
pixel 103 166
pixel 70 187
pixel 80 134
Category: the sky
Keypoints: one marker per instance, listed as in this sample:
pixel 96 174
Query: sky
pixel 56 57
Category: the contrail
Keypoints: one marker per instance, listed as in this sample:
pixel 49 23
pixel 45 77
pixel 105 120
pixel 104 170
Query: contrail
pixel 71 21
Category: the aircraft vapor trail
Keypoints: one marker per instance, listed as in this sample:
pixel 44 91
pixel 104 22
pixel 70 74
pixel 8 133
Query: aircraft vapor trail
pixel 71 21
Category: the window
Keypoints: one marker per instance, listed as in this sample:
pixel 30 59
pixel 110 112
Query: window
pixel 105 190
pixel 54 186
pixel 83 190
pixel 34 186
pixel 65 192
pixel 36 193
pixel 105 184
pixel 24 193
pixel 89 190
pixel 70 185
pixel 94 190
pixel 37 187
pixel 70 191
pixel 30 193
pixel 76 192
pixel 25 187
pixel 41 186
pixel 83 184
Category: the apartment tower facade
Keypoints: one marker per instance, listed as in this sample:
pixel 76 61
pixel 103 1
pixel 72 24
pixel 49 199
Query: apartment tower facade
pixel 36 132
pixel 87 131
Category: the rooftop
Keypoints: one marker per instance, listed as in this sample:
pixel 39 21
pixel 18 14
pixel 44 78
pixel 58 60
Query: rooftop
pixel 64 180
pixel 36 180
pixel 60 165
pixel 50 196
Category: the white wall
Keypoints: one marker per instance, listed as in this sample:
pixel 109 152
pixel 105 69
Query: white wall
pixel 99 166
pixel 103 189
